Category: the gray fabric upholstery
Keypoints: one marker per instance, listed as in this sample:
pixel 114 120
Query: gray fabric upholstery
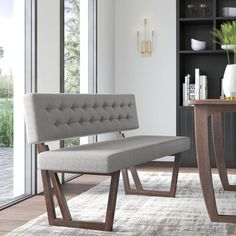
pixel 110 156
pixel 59 116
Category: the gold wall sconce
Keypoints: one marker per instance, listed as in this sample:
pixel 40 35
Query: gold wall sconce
pixel 145 39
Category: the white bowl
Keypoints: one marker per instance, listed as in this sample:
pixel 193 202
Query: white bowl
pixel 197 45
pixel 229 11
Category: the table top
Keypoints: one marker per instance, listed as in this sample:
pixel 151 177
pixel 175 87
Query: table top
pixel 212 102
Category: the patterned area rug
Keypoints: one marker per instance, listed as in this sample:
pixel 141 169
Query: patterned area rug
pixel 141 215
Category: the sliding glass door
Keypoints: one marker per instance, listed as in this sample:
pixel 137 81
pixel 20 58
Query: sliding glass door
pixel 13 161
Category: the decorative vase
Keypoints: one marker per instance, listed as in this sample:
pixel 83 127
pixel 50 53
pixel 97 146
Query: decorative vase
pixel 229 81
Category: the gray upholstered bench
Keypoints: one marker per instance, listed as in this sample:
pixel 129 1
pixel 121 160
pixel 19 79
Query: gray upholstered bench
pixel 59 116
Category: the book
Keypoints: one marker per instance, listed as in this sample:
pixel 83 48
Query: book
pixel 197 83
pixel 191 94
pixel 186 89
pixel 203 87
pixel 222 90
pixel 184 100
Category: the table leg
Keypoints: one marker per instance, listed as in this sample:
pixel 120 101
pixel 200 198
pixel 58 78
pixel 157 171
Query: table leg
pixel 203 159
pixel 217 137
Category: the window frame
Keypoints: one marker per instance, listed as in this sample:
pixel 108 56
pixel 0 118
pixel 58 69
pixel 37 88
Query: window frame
pixel 30 68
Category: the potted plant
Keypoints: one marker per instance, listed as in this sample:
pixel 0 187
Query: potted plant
pixel 226 36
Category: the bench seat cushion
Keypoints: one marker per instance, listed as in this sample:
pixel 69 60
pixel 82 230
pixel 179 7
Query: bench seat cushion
pixel 110 156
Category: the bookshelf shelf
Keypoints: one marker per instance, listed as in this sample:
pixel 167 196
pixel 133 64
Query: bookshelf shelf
pixel 211 62
pixel 202 52
pixel 197 19
pixel 225 18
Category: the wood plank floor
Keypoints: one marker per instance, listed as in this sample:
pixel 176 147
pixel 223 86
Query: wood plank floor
pixel 24 211
pixel 19 214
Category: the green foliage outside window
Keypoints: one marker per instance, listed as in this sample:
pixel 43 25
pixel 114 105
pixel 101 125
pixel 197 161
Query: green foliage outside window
pixel 6 107
pixel 72 46
pixel 6 122
pixel 1 52
pixel 72 54
pixel 6 86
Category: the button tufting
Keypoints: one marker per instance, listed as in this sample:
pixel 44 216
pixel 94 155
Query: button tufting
pixel 60 107
pixel 57 123
pixel 81 114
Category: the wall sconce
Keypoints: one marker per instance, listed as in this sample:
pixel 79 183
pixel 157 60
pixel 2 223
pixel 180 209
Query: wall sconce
pixel 145 39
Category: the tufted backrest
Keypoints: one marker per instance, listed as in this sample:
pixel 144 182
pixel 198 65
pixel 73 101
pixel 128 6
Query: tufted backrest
pixel 58 116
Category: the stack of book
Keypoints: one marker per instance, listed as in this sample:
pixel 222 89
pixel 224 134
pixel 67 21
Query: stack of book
pixel 194 91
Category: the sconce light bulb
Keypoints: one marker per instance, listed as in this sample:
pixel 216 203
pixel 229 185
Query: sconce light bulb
pixel 145 20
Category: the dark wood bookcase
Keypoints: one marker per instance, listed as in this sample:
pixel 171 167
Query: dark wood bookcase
pixel 211 62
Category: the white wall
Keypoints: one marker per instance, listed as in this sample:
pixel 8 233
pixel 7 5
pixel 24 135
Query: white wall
pixel 151 79
pixel 105 46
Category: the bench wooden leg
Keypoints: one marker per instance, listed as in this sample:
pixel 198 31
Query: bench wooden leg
pixel 139 190
pixel 50 176
pixel 60 196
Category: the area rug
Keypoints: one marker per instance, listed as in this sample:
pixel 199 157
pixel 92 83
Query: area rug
pixel 142 215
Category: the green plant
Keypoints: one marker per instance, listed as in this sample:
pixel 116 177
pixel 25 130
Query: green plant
pixel 226 35
pixel 6 123
pixel 6 86
pixel 71 142
pixel 1 52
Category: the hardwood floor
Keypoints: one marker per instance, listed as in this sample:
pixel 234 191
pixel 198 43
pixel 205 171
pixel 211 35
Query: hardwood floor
pixel 19 214
pixel 24 211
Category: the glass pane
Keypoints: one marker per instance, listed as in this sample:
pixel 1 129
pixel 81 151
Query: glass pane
pixel 77 60
pixel 72 46
pixel 72 54
pixel 12 85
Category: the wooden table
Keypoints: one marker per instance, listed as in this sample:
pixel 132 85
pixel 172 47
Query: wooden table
pixel 203 109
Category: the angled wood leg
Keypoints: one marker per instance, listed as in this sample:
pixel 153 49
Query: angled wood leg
pixel 67 221
pixel 126 180
pixel 202 151
pixel 136 179
pixel 48 196
pixel 175 174
pixel 217 136
pixel 60 196
pixel 112 201
pixel 139 190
